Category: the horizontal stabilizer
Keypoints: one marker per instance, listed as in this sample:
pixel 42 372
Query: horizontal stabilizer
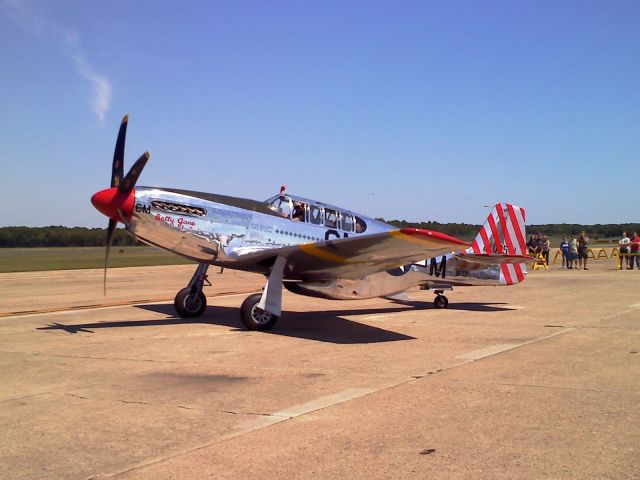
pixel 493 259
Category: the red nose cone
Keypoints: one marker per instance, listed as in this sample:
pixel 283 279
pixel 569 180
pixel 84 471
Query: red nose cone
pixel 111 200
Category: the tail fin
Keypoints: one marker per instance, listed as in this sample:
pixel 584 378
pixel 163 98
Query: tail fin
pixel 503 234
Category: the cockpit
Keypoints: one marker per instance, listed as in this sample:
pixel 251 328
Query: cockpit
pixel 299 209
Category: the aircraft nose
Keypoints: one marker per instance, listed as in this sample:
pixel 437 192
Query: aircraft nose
pixel 111 200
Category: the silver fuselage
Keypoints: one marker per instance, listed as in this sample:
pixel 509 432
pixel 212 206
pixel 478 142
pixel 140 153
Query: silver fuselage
pixel 222 230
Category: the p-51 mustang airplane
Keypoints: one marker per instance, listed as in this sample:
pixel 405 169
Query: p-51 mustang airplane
pixel 308 247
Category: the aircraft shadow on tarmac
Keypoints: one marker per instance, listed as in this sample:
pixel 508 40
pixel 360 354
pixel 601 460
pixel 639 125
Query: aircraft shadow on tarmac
pixel 326 326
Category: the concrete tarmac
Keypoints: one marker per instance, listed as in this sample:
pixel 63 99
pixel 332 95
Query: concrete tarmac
pixel 540 380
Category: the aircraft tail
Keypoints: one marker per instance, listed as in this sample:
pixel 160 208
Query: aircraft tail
pixel 502 239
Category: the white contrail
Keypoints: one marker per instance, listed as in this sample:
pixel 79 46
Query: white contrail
pixel 101 86
pixel 35 22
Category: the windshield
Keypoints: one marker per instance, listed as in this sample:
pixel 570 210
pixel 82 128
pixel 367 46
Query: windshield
pixel 281 204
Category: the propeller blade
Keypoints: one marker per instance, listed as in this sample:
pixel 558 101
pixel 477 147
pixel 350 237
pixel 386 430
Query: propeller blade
pixel 132 177
pixel 110 234
pixel 117 170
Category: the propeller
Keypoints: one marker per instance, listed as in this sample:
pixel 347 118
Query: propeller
pixel 117 170
pixel 117 202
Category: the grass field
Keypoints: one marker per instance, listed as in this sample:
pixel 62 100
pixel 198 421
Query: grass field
pixel 72 258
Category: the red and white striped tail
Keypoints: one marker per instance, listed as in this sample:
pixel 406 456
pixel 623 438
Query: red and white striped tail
pixel 503 233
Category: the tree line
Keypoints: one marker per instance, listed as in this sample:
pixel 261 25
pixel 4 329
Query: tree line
pixel 468 232
pixel 58 236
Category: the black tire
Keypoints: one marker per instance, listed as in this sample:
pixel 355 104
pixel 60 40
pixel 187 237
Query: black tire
pixel 255 318
pixel 189 305
pixel 440 301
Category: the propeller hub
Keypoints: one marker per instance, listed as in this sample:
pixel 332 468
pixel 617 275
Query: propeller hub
pixel 112 200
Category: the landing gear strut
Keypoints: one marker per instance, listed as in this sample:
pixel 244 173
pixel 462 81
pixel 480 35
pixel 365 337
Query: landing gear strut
pixel 440 301
pixel 261 311
pixel 190 302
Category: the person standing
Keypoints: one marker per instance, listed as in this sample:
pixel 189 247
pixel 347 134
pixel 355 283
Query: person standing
pixel 573 252
pixel 583 250
pixel 635 251
pixel 544 247
pixel 623 254
pixel 564 248
pixel 532 244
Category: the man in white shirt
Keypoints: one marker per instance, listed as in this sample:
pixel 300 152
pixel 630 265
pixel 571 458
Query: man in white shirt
pixel 623 255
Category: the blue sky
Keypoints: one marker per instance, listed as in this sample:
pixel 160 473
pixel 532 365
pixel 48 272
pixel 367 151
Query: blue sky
pixel 407 110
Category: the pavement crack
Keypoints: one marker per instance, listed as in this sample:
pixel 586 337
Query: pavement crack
pixel 87 357
pixel 137 402
pixel 254 414
pixel 548 387
pixel 23 397
pixel 76 396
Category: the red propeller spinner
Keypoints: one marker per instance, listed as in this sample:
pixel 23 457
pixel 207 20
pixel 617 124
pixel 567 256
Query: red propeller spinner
pixel 114 204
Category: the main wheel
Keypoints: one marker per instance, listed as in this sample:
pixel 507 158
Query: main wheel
pixel 189 305
pixel 440 301
pixel 255 318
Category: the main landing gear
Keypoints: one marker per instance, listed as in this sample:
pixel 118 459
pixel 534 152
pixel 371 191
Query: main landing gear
pixel 259 311
pixel 440 301
pixel 254 317
pixel 190 302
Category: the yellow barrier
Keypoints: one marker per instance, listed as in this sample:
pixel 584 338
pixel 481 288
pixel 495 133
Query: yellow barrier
pixel 537 261
pixel 595 253
pixel 621 256
pixel 601 253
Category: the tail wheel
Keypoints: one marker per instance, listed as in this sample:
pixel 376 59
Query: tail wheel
pixel 255 318
pixel 189 305
pixel 440 301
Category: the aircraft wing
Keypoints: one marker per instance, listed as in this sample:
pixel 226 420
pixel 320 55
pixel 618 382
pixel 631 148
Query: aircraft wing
pixel 355 257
